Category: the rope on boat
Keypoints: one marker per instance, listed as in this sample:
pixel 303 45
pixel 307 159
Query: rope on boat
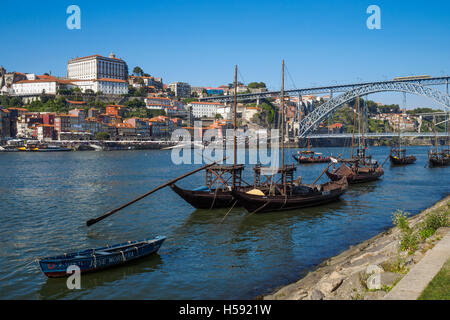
pixel 95 260
pixel 260 208
pixel 214 200
pixel 229 211
pixel 123 256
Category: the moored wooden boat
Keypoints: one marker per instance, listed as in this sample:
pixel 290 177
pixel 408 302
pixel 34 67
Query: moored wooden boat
pixel 355 174
pixel 91 260
pixel 297 197
pixel 216 193
pixel 439 159
pixel 275 188
pixel 205 199
pixel 309 156
pixel 402 160
pixel 300 158
pixel 219 179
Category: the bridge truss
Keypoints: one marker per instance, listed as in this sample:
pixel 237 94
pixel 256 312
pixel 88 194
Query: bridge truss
pixel 312 121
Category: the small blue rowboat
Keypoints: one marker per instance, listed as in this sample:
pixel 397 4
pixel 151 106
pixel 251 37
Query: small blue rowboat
pixel 96 259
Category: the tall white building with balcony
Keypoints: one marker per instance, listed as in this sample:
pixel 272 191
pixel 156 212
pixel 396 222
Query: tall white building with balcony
pixel 97 67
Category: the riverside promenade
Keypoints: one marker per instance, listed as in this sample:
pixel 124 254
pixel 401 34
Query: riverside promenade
pixel 413 284
pixel 378 268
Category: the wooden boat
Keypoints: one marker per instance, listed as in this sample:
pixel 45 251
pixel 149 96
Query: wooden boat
pixel 361 167
pixel 101 258
pixel 219 179
pixel 275 188
pixel 356 174
pixel 399 157
pixel 309 156
pixel 210 197
pixel 297 197
pixel 439 159
pixel 303 157
pixel 436 158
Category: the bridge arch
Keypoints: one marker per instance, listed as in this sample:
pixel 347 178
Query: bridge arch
pixel 312 120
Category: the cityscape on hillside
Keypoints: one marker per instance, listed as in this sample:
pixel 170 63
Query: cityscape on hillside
pixel 100 99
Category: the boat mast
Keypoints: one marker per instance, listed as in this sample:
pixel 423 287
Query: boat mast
pixel 283 175
pixel 435 135
pixel 282 116
pixel 235 127
pixel 363 125
pixel 354 124
pixel 399 137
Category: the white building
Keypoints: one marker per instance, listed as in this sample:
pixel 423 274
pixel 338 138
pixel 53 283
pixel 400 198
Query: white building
pixel 205 109
pixel 36 87
pixel 105 86
pixel 97 67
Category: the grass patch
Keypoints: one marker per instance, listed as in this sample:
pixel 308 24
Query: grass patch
pixel 397 266
pixel 439 287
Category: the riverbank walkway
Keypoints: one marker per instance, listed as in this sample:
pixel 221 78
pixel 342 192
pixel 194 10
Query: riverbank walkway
pixel 418 278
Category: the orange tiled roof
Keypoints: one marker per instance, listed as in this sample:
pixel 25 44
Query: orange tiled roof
pixel 19 109
pixel 46 80
pixel 110 80
pixel 200 102
pixel 75 102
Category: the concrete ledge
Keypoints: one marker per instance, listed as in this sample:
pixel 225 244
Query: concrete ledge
pixel 417 279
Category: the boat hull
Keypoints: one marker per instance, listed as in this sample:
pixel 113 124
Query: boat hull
pixel 264 204
pixel 93 260
pixel 438 162
pixel 310 160
pixel 206 199
pixel 354 178
pixel 402 161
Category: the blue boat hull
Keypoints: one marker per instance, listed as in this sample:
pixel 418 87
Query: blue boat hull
pixel 101 258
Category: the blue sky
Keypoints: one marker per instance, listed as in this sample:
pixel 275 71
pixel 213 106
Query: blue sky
pixel 323 42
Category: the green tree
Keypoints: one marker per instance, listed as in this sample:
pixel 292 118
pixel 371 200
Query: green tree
pixel 138 71
pixel 256 85
pixel 135 103
pixel 102 136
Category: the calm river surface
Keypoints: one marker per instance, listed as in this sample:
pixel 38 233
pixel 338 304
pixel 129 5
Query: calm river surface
pixel 45 200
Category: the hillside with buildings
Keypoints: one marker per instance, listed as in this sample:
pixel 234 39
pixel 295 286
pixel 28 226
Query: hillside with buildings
pixel 98 98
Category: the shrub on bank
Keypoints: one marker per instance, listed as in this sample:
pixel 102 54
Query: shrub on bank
pixel 410 237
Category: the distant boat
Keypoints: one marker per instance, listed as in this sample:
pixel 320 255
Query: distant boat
pixel 101 258
pixel 309 156
pixel 361 167
pixel 42 147
pixel 436 158
pixel 398 155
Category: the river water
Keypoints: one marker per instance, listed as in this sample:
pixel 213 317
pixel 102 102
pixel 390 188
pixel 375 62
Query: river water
pixel 46 198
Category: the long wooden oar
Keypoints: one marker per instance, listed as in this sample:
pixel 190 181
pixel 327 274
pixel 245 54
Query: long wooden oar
pixel 93 221
pixel 329 165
